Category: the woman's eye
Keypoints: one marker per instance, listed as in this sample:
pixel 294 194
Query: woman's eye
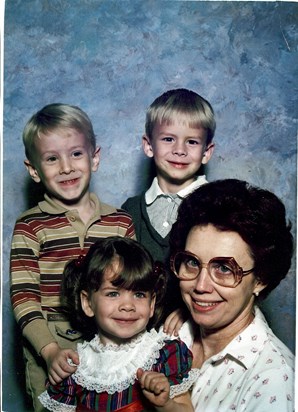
pixel 222 269
pixel 192 263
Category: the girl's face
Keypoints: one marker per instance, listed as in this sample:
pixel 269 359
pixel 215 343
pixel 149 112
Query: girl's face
pixel 121 314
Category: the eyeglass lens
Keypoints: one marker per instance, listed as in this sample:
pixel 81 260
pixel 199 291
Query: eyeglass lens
pixel 222 270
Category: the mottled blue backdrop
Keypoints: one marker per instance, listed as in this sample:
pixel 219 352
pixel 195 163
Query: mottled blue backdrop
pixel 112 58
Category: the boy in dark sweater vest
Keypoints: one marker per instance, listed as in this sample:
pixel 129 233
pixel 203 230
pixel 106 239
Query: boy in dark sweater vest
pixel 179 129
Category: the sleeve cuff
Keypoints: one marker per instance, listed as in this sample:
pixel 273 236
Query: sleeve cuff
pixel 38 334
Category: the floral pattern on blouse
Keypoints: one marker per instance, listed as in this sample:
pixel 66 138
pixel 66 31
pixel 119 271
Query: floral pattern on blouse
pixel 253 373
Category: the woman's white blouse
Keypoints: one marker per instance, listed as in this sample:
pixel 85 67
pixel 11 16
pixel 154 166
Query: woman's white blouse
pixel 255 373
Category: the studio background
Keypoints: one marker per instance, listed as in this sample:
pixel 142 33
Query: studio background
pixel 113 58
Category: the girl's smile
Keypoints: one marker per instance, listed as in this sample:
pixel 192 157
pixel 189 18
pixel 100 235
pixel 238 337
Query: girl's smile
pixel 120 313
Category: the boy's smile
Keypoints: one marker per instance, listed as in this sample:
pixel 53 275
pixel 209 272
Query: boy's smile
pixel 64 163
pixel 178 151
pixel 179 165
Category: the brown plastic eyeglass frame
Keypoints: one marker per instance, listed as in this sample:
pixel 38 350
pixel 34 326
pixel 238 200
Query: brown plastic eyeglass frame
pixel 229 261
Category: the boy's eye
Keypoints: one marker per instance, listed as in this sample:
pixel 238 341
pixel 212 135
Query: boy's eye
pixel 193 142
pixel 77 153
pixel 167 139
pixel 51 159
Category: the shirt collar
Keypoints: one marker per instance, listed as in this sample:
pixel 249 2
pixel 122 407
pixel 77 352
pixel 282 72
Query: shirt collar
pixel 155 191
pixel 243 349
pixel 48 205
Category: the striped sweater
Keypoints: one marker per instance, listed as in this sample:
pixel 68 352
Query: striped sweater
pixel 45 238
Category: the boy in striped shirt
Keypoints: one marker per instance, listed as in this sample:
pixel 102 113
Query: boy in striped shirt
pixel 61 153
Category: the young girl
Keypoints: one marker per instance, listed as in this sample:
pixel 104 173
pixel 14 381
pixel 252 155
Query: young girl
pixel 112 294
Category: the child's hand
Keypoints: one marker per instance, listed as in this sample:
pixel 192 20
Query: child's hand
pixel 174 322
pixel 155 387
pixel 58 363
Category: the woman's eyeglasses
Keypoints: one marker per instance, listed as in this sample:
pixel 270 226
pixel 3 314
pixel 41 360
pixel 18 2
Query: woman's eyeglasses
pixel 224 271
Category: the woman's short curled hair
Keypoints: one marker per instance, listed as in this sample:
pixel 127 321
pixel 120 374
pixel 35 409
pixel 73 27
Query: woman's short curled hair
pixel 257 215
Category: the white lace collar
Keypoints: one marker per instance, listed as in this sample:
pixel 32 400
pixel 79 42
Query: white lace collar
pixel 112 368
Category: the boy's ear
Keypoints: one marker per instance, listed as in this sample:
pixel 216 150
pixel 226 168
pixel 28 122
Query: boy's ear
pixel 147 147
pixel 208 153
pixel 95 159
pixel 32 171
pixel 85 303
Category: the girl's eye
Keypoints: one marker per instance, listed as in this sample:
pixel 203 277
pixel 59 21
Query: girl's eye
pixel 112 294
pixel 140 295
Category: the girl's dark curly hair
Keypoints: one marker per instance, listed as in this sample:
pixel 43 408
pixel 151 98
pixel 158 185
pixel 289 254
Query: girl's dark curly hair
pixel 136 271
pixel 257 215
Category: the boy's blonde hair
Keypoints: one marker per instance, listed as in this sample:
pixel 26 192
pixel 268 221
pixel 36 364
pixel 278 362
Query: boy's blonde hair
pixel 52 117
pixel 181 103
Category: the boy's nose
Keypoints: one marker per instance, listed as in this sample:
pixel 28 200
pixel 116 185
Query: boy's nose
pixel 180 149
pixel 66 166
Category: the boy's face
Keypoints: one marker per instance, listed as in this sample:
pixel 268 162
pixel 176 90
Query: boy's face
pixel 178 151
pixel 63 162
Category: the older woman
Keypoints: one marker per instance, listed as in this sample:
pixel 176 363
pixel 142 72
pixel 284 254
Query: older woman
pixel 231 246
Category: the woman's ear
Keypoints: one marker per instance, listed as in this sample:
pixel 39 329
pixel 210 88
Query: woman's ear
pixel 259 286
pixel 32 171
pixel 86 305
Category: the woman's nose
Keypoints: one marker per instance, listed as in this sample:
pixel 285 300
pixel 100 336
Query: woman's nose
pixel 203 281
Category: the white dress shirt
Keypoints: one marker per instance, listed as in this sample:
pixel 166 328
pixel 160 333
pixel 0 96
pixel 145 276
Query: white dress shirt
pixel 162 207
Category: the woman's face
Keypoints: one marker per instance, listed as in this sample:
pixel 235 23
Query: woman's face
pixel 212 306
